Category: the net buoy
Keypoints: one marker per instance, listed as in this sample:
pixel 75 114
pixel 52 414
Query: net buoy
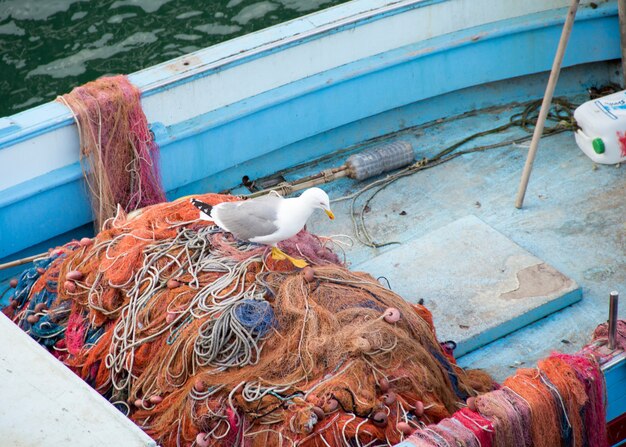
pixel 404 428
pixel 318 412
pixel 70 286
pixel 203 440
pixel 309 274
pixel 380 419
pixel 199 386
pixel 74 275
pixel 419 409
pixel 383 384
pixel 392 315
pixel 471 403
pixel 389 398
pixel 331 405
pixel 173 283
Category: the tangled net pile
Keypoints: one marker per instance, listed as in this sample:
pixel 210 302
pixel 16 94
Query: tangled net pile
pixel 118 154
pixel 204 340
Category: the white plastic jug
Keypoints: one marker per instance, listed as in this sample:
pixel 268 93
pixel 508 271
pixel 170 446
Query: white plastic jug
pixel 602 128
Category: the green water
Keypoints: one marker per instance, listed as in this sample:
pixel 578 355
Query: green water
pixel 47 47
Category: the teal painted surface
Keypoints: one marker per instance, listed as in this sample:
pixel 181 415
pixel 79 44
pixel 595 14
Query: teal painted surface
pixel 46 213
pixel 617 404
pixel 616 390
pixel 287 119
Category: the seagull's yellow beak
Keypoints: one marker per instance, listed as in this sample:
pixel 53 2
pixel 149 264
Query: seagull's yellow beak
pixel 330 214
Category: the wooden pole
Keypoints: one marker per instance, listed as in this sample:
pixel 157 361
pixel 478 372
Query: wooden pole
pixel 547 100
pixel 21 261
pixel 621 10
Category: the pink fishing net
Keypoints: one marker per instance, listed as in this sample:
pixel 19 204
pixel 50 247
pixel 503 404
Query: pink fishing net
pixel 118 153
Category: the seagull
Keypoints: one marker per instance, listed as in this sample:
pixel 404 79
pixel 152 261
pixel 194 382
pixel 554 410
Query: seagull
pixel 268 219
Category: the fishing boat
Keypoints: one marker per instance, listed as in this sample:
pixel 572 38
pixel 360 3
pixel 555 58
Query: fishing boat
pixel 457 85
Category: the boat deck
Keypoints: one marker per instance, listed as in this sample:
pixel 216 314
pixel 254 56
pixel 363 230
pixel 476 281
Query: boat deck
pixel 573 219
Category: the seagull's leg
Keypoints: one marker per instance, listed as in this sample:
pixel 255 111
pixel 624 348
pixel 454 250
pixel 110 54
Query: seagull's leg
pixel 279 255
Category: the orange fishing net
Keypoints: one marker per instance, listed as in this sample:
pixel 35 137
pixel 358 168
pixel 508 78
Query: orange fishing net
pixel 204 340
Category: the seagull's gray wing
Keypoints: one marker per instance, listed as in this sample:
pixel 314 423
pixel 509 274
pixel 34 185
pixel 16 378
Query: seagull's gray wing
pixel 250 218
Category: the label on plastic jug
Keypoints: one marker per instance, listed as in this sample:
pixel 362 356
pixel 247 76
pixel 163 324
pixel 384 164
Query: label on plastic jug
pixel 612 108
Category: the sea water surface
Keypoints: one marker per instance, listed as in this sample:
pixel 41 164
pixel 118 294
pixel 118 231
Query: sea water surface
pixel 47 47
